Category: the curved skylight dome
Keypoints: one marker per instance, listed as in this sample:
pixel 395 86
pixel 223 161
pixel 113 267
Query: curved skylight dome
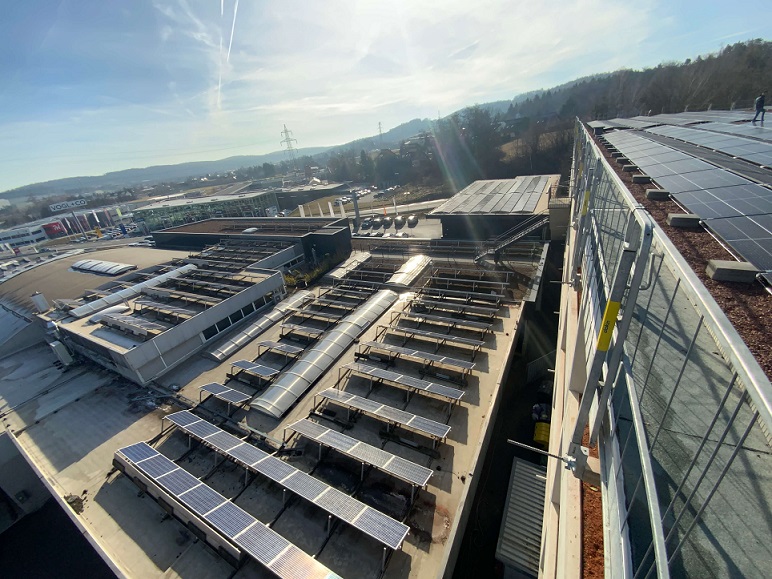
pixel 102 267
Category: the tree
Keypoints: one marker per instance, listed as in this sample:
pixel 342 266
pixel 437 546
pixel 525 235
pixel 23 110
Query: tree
pixel 269 170
pixel 367 167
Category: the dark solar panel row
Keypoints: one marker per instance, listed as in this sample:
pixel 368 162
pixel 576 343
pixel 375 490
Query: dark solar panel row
pixel 406 381
pixel 735 146
pixel 387 530
pixel 426 426
pixel 403 469
pixel 247 533
pixel 735 209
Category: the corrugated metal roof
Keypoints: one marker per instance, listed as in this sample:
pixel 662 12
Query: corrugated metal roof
pixel 518 195
pixel 520 534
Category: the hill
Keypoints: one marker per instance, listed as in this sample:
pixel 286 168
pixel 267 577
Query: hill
pixel 149 175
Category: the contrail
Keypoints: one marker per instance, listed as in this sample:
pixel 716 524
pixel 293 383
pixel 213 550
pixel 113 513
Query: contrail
pixel 219 79
pixel 233 27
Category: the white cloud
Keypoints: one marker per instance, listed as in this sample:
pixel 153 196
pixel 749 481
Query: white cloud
pixel 332 70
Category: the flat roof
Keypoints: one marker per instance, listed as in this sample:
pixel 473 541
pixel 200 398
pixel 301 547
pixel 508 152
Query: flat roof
pixel 200 200
pixel 71 435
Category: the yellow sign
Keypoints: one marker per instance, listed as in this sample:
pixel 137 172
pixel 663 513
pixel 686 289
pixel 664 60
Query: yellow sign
pixel 607 326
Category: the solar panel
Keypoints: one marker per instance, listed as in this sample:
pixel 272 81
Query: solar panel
pixel 370 455
pixel 751 237
pixel 445 391
pixel 138 452
pixel 425 425
pixel 274 468
pixel 178 481
pixel 165 308
pixel 262 543
pixel 409 471
pixel 337 440
pixel 339 504
pixel 182 418
pixel 202 429
pixel 394 414
pixel 413 332
pixel 202 499
pixel 158 465
pixel 223 441
pixel 234 396
pixel 734 201
pixel 214 388
pixel 257 369
pixel 392 464
pixel 281 347
pixel 376 524
pixel 429 426
pixel 452 322
pixel 406 381
pixel 252 537
pixel 294 563
pixel 309 429
pixel 247 454
pixel 305 485
pixel 132 322
pixel 229 519
pixel 730 144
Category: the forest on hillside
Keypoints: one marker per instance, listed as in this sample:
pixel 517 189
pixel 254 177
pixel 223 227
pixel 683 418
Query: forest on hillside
pixel 535 134
pixel 728 79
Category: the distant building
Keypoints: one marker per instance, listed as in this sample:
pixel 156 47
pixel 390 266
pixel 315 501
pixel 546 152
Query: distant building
pixel 21 236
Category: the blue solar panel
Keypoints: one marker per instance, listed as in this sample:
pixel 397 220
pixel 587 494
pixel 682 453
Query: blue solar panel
pixel 157 466
pixel 305 485
pixel 202 429
pixel 202 499
pixel 263 544
pixel 247 454
pixel 751 237
pixel 229 519
pixel 275 468
pixel 223 441
pixel 183 418
pixel 139 451
pixel 178 481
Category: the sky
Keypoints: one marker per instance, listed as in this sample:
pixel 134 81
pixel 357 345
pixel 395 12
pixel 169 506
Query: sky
pixel 91 86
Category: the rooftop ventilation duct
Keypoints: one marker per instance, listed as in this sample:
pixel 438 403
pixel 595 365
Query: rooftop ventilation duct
pixel 406 276
pixel 293 383
pixel 128 293
pixel 234 344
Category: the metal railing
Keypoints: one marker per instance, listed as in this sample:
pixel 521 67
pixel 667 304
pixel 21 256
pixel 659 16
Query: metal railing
pixel 677 403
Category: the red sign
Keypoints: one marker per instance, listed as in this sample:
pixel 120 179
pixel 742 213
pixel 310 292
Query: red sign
pixel 54 229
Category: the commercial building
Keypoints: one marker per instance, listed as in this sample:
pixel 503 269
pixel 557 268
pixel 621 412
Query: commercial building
pixel 343 431
pixel 243 203
pixel 178 211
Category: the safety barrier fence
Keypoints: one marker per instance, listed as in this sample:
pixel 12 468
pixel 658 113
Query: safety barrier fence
pixel 678 405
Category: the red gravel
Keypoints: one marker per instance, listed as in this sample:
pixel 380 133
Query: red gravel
pixel 593 563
